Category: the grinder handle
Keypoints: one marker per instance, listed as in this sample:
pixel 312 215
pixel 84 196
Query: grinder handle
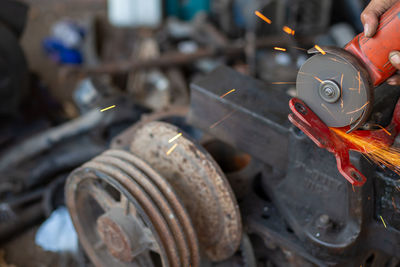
pixel 374 52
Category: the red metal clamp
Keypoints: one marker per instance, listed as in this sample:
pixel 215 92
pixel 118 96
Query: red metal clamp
pixel 308 122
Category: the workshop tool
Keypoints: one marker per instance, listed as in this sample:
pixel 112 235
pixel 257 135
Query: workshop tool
pixel 338 84
pixel 336 88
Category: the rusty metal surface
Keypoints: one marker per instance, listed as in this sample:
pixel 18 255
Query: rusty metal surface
pixel 252 119
pixel 147 186
pixel 123 140
pixel 174 58
pixel 171 197
pixel 198 181
pixel 85 197
pixel 148 216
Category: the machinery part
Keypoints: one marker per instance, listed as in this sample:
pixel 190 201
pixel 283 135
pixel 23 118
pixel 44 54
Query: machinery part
pixel 251 111
pixel 198 181
pixel 335 87
pixel 45 140
pixel 123 140
pixel 172 59
pixel 141 213
pixel 304 118
pixel 300 183
pixel 240 168
pixel 22 211
pixel 247 252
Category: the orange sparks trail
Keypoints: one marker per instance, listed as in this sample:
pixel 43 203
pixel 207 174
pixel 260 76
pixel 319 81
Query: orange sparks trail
pixel 283 83
pixel 231 91
pixel 280 48
pixel 341 91
pixel 318 79
pixel 261 16
pixel 386 131
pixel 299 48
pixel 288 30
pixel 320 49
pixel 374 150
pixel 354 111
pixel 223 118
pixel 359 83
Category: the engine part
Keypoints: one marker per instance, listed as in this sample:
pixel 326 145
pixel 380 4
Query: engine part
pixel 132 203
pixel 139 212
pixel 24 210
pixel 198 181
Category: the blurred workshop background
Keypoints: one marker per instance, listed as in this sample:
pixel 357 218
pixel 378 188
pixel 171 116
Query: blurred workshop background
pixel 74 74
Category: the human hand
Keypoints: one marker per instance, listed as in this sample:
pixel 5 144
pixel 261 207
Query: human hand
pixel 369 18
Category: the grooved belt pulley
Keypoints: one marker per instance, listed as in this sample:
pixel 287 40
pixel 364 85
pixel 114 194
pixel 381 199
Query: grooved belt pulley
pixel 146 207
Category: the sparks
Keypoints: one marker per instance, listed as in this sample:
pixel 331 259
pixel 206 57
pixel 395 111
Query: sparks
pixel 341 91
pixel 288 30
pixel 353 188
pixel 359 83
pixel 223 118
pixel 318 79
pixel 110 107
pixel 280 48
pixel 227 93
pixel 386 131
pixel 283 83
pixel 174 138
pixel 320 49
pixel 383 221
pixel 171 149
pixel 261 16
pixel 374 149
pixel 336 60
pixel 354 111
pixel 299 48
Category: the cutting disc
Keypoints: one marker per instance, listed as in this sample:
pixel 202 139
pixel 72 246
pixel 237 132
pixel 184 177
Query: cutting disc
pixel 336 87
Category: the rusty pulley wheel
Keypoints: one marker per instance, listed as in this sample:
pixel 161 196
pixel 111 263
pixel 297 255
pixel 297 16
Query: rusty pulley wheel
pixel 126 214
pixel 199 183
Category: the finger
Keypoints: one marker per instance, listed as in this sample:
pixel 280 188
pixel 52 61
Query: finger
pixel 370 15
pixel 394 80
pixel 370 21
pixel 394 58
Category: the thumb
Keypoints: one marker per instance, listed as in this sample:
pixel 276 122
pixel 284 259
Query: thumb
pixel 394 58
pixel 370 15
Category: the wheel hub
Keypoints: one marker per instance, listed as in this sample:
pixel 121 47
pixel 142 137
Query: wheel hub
pixel 120 234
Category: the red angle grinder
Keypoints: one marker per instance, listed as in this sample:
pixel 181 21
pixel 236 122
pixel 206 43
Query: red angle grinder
pixel 335 88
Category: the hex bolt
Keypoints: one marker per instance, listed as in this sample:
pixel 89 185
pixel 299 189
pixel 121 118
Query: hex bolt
pixel 324 222
pixel 329 91
pixel 323 219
